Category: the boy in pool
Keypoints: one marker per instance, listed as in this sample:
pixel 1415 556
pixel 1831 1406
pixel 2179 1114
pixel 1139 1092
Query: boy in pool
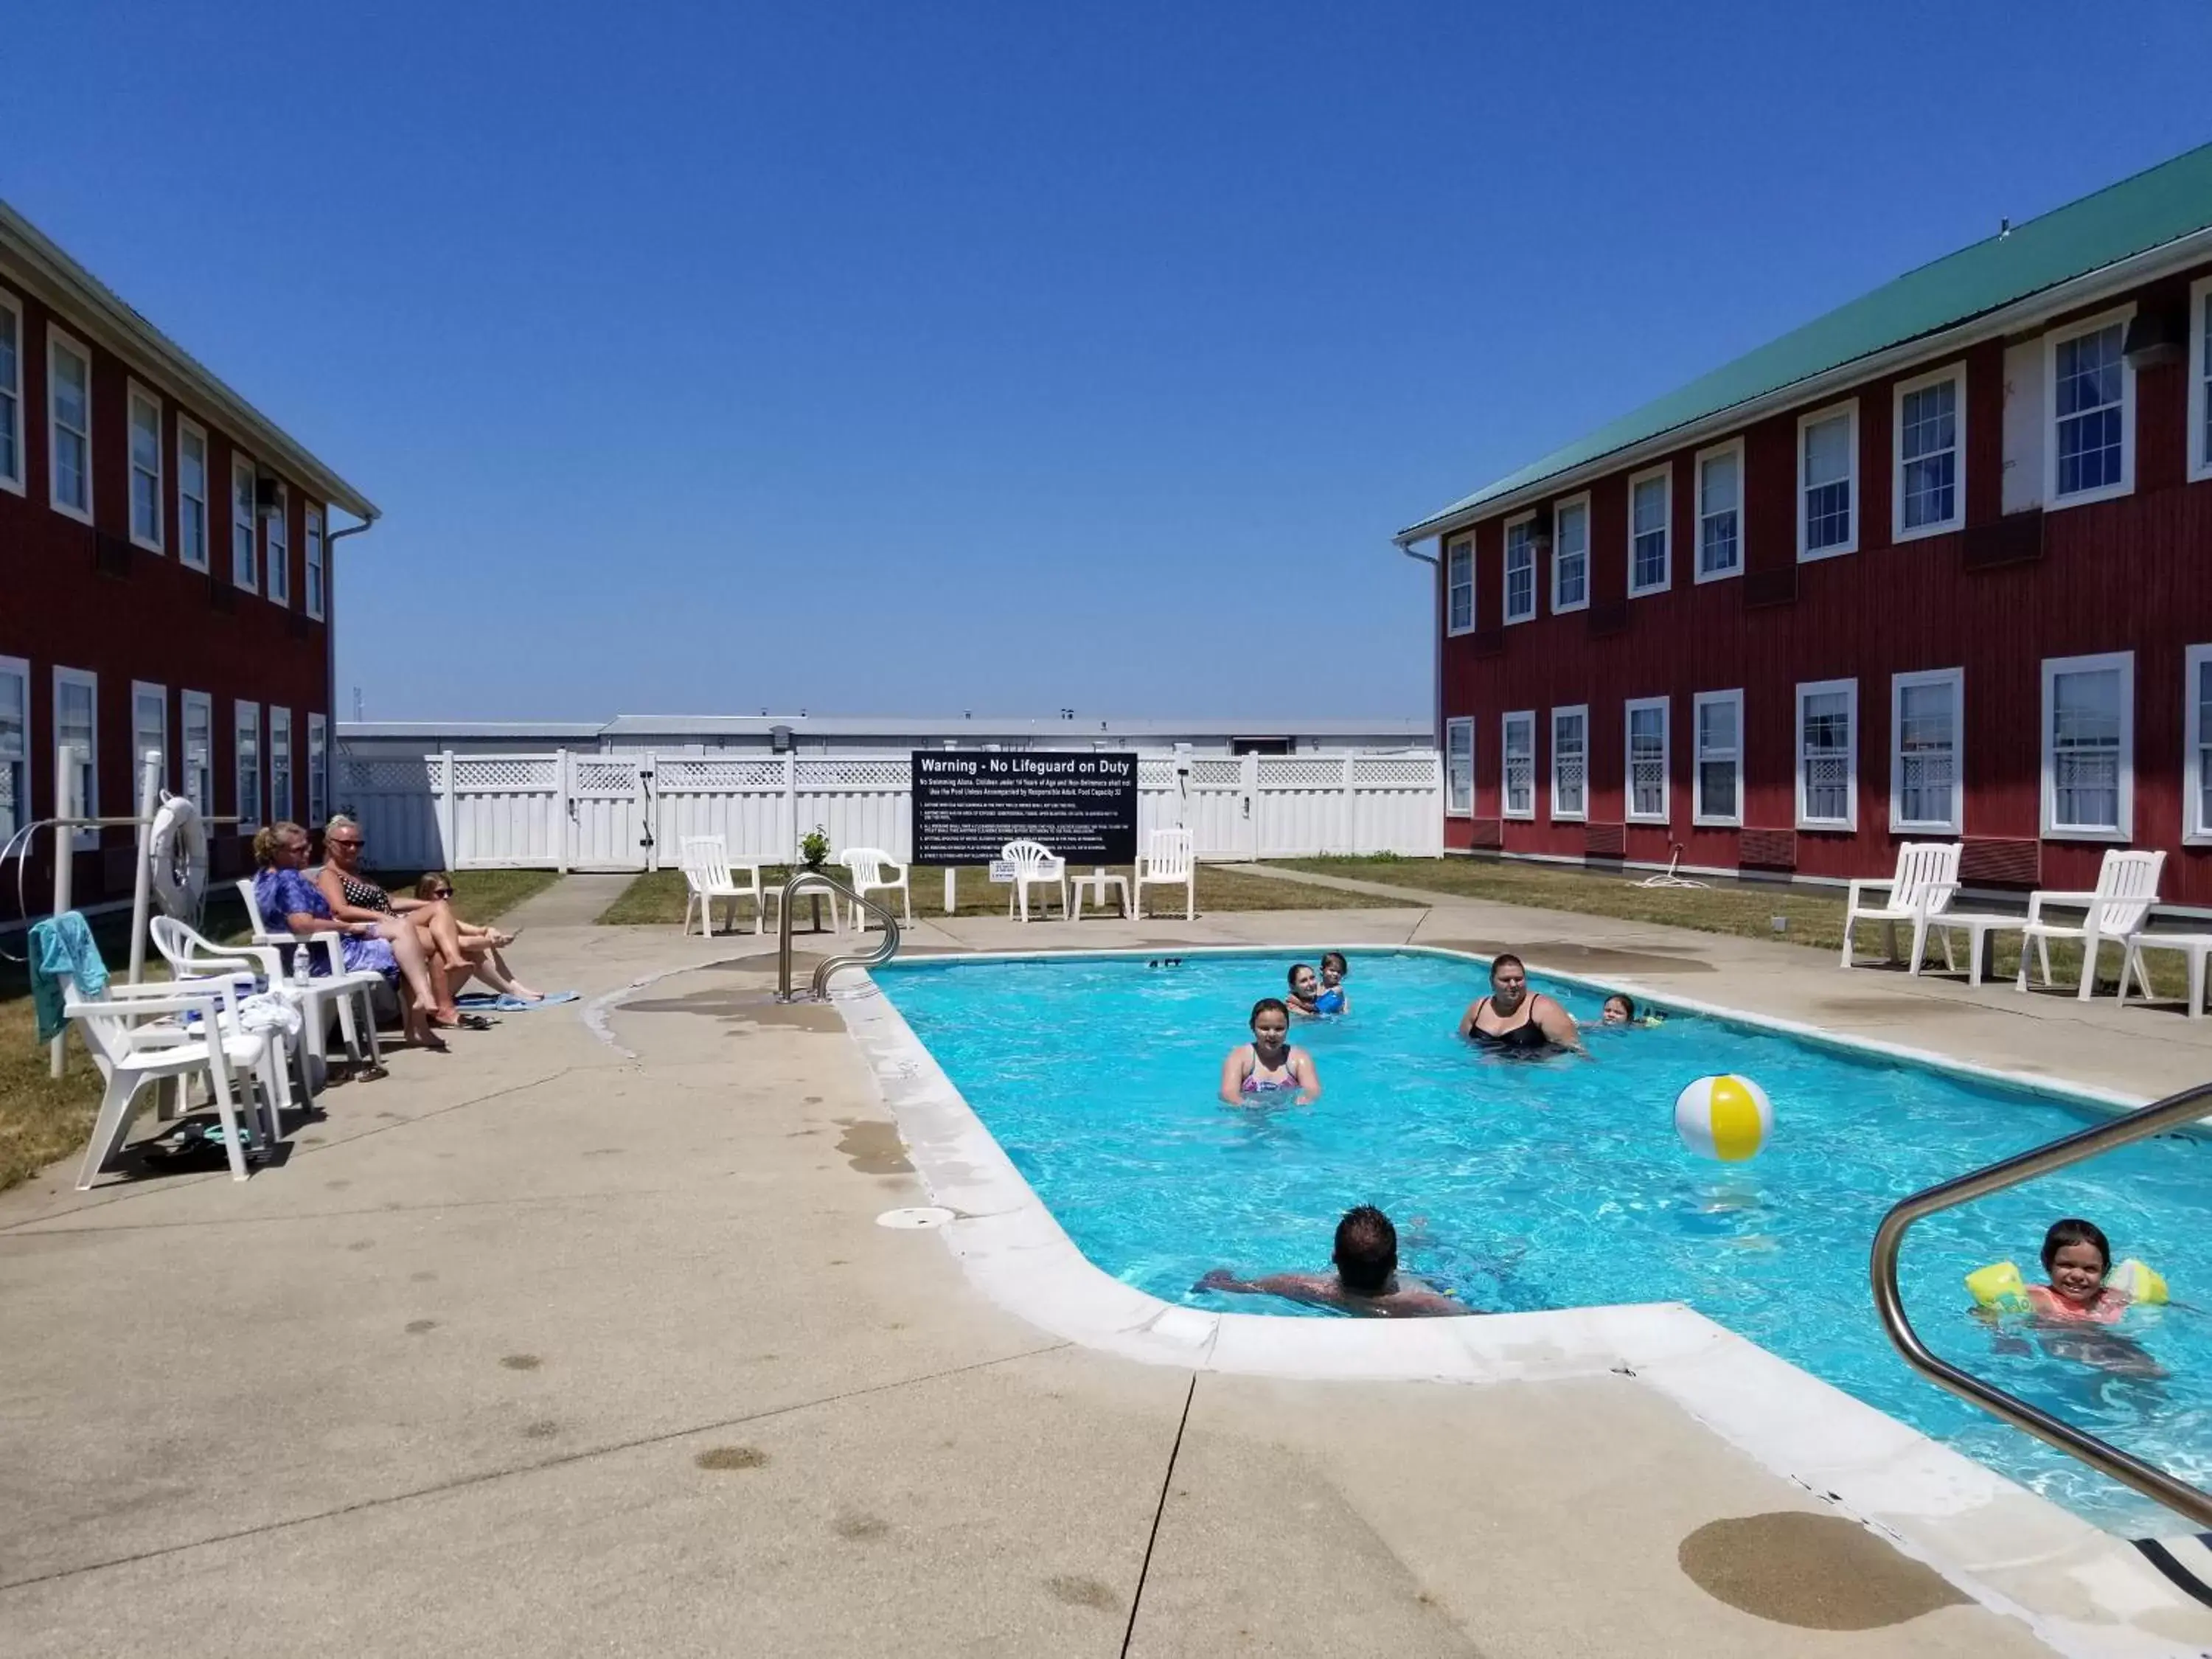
pixel 1333 998
pixel 1366 1280
pixel 1268 1067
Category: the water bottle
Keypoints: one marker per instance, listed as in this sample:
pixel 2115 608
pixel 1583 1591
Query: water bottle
pixel 300 971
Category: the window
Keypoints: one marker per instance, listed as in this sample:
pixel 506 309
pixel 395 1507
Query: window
pixel 1828 481
pixel 146 470
pixel 2092 411
pixel 1929 493
pixel 1459 768
pixel 1719 780
pixel 244 554
pixel 15 745
pixel 199 776
pixel 68 424
pixel 315 562
pixel 1719 512
pixel 1520 569
pixel 2088 746
pixel 2196 764
pixel 150 729
pixel 1570 762
pixel 280 549
pixel 1647 761
pixel 1827 754
pixel 280 765
pixel 1649 499
pixel 249 766
pixel 319 777
pixel 11 395
pixel 1926 781
pixel 77 726
pixel 2200 381
pixel 1571 555
pixel 192 496
pixel 1519 800
pixel 1459 587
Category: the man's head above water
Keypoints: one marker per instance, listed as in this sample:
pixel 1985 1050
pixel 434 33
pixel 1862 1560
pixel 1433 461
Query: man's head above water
pixel 1366 1250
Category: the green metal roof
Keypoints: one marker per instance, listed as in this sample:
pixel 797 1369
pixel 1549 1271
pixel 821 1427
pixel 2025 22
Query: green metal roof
pixel 2154 208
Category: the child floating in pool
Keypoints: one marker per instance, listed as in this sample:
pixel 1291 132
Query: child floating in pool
pixel 1366 1280
pixel 2076 1257
pixel 1304 997
pixel 1332 999
pixel 1268 1067
pixel 1620 1010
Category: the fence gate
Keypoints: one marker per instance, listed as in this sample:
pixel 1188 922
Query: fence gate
pixel 1218 812
pixel 608 813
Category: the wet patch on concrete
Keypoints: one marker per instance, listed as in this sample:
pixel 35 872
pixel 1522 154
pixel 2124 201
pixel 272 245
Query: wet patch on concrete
pixel 1813 1571
pixel 873 1148
pixel 1881 1006
pixel 521 1362
pixel 336 1186
pixel 544 1429
pixel 742 1007
pixel 1080 1592
pixel 360 1244
pixel 731 1457
pixel 858 1529
pixel 1598 959
pixel 603 1152
pixel 424 1277
pixel 418 1327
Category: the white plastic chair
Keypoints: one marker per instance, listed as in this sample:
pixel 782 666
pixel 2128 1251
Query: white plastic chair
pixel 2127 887
pixel 367 983
pixel 1035 866
pixel 868 866
pixel 1171 860
pixel 192 955
pixel 709 877
pixel 1927 877
pixel 136 1038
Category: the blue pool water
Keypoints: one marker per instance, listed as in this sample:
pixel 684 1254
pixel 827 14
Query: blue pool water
pixel 1561 1184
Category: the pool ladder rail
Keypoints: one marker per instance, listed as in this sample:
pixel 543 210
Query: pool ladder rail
pixel 815 881
pixel 2173 1112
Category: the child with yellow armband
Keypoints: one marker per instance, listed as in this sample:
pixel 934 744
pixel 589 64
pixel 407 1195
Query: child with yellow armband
pixel 2084 1287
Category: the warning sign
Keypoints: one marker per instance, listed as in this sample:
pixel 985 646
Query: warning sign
pixel 967 806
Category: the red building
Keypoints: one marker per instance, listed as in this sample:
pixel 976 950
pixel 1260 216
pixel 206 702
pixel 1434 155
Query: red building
pixel 165 577
pixel 1938 564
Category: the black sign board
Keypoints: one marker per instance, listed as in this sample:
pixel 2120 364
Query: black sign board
pixel 1081 804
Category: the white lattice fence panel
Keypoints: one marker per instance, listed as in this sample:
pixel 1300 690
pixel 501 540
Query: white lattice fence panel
pixel 872 775
pixel 1214 774
pixel 604 777
pixel 478 775
pixel 377 777
pixel 681 776
pixel 1394 772
pixel 1287 772
pixel 1155 774
pixel 394 802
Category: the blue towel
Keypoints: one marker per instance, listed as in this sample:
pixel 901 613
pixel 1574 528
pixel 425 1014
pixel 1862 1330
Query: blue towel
pixel 63 944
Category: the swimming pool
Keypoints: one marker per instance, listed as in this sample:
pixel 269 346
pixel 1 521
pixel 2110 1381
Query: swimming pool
pixel 1528 1187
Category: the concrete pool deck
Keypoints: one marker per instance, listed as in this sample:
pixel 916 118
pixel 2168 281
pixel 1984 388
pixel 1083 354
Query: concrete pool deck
pixel 540 1347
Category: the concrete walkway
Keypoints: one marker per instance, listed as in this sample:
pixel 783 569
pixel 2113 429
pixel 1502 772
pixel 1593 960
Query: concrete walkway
pixel 533 1348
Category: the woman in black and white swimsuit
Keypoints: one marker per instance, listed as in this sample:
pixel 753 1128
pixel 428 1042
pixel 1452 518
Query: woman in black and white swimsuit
pixel 1513 1019
pixel 460 949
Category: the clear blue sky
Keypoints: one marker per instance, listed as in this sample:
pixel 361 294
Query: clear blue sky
pixel 907 359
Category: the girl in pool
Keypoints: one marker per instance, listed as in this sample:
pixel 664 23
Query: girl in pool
pixel 1267 1066
pixel 1332 999
pixel 1305 998
pixel 1620 1010
pixel 2076 1257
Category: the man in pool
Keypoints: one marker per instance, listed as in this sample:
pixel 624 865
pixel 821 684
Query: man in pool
pixel 1514 1019
pixel 1366 1280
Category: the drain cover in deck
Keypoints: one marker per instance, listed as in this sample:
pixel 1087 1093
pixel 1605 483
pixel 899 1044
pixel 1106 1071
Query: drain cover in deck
pixel 922 1215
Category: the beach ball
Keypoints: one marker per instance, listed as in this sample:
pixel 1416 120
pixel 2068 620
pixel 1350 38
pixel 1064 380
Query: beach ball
pixel 1724 1117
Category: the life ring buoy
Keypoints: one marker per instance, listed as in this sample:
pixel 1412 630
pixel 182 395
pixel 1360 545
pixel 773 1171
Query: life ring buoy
pixel 178 850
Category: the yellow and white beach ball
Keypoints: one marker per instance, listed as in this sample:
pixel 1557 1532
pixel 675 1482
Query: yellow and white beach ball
pixel 1724 1117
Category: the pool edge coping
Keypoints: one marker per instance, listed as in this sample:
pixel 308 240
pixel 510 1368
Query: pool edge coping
pixel 1976 1528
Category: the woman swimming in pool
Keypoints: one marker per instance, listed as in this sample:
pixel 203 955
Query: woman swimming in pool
pixel 1304 1000
pixel 1513 1019
pixel 1333 998
pixel 1268 1065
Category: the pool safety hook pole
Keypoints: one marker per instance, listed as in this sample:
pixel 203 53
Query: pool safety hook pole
pixel 150 803
pixel 2174 1112
pixel 67 807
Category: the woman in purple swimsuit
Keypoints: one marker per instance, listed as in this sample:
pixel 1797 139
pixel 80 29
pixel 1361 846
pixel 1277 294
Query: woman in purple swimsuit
pixel 1267 1067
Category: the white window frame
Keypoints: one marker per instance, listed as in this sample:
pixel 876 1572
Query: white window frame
pixel 1665 475
pixel 1849 408
pixel 2052 668
pixel 1452 551
pixel 2052 501
pixel 1629 711
pixel 204 796
pixel 89 807
pixel 251 524
pixel 136 397
pixel 141 689
pixel 280 810
pixel 14 484
pixel 185 425
pixel 1505 580
pixel 1849 822
pixel 1527 719
pixel 1581 814
pixel 2200 362
pixel 1560 509
pixel 20 671
pixel 59 339
pixel 316 567
pixel 276 550
pixel 1955 373
pixel 1899 684
pixel 1453 728
pixel 1733 446
pixel 318 776
pixel 1698 703
pixel 247 822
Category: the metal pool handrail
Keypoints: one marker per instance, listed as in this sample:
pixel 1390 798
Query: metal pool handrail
pixel 2106 1459
pixel 815 881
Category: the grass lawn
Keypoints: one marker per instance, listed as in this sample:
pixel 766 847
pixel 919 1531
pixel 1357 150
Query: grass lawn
pixel 658 898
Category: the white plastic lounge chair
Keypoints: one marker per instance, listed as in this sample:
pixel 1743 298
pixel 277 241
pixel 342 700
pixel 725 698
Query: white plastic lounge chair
pixel 709 877
pixel 1926 876
pixel 192 955
pixel 1169 859
pixel 367 983
pixel 2127 887
pixel 136 1039
pixel 868 866
pixel 1035 866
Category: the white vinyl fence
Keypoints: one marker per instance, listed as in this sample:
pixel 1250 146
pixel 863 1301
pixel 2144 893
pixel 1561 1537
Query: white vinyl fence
pixel 563 809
